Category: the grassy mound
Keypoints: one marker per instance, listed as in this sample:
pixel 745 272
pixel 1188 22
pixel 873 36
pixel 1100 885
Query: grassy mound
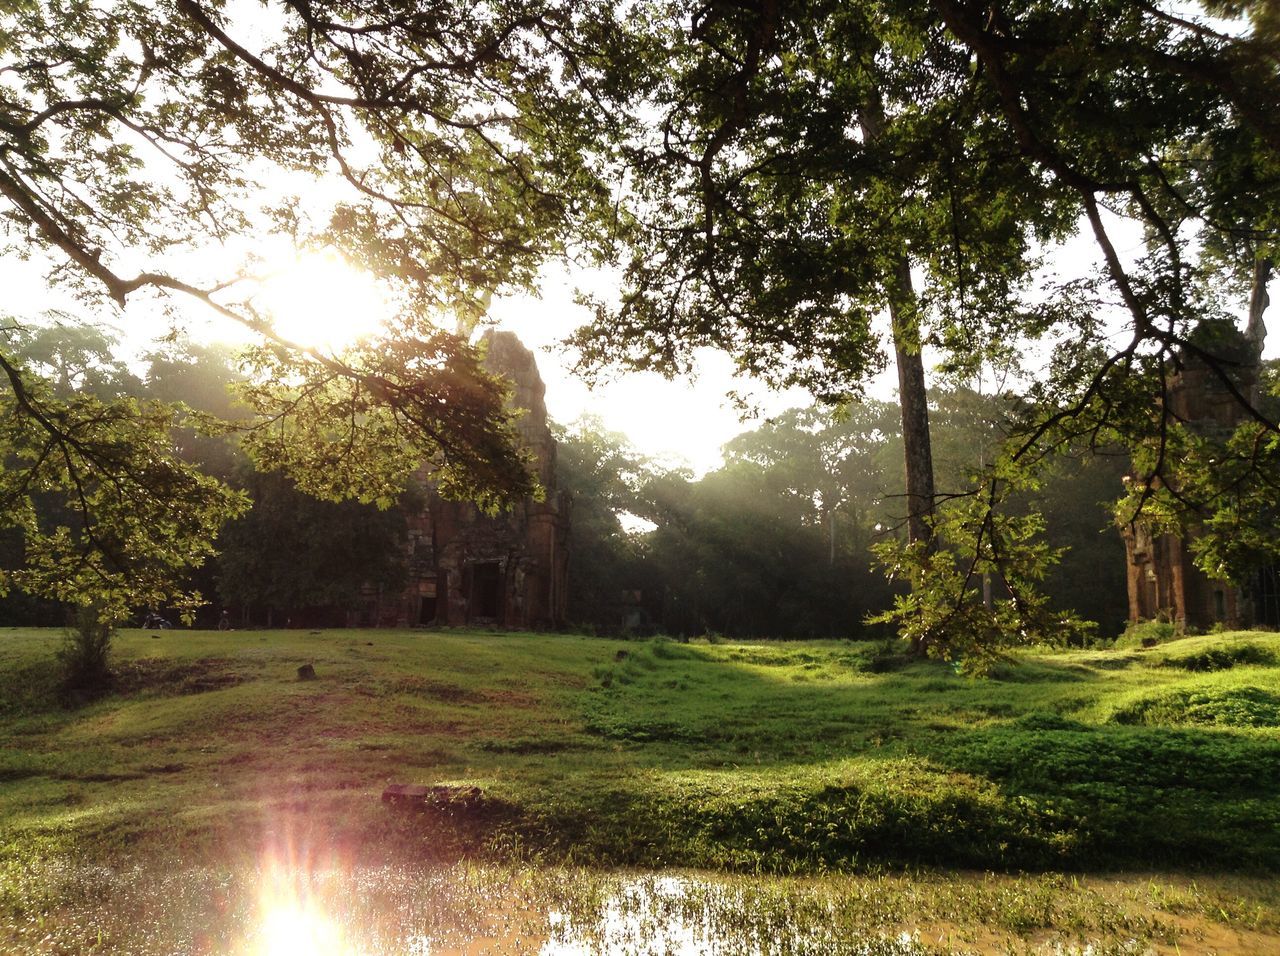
pixel 787 758
pixel 1212 706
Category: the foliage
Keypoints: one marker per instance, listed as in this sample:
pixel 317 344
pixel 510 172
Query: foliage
pixel 1076 496
pixel 602 475
pixel 416 402
pixel 776 541
pixel 291 551
pixel 976 546
pixel 772 215
pixel 816 161
pixel 1226 492
pixel 202 378
pixel 833 463
pixel 1146 634
pixel 135 135
pixel 739 552
pixel 84 656
pixel 132 517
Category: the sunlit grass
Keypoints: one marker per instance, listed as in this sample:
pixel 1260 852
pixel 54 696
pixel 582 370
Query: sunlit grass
pixel 779 758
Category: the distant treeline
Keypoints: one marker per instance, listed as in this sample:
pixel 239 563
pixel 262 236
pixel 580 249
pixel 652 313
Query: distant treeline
pixel 775 543
pixel 772 544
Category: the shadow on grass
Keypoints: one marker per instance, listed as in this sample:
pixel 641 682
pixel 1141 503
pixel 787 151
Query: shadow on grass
pixel 779 758
pixel 917 766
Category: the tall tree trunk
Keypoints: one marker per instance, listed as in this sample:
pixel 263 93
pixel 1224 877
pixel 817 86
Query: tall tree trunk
pixel 912 396
pixel 914 403
pixel 831 522
pixel 1258 302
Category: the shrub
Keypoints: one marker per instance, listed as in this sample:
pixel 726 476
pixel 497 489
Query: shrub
pixel 85 651
pixel 889 655
pixel 1146 634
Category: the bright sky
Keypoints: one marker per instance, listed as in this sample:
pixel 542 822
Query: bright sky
pixel 680 421
pixel 323 300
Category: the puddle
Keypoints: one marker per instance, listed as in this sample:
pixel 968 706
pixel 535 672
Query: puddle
pixel 686 917
pixel 299 905
pixel 644 916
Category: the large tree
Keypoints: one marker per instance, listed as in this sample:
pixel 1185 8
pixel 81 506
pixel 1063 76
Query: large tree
pixel 820 167
pixel 133 135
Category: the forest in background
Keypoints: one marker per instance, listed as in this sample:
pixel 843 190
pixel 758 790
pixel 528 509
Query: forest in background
pixel 774 543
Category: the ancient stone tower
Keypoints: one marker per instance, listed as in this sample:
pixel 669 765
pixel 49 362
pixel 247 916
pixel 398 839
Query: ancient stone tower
pixel 1163 580
pixel 508 570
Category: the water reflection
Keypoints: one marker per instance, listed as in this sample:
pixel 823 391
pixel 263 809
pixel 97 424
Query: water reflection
pixel 308 914
pixel 300 931
pixel 644 916
pixel 295 903
pixel 296 916
pixel 673 916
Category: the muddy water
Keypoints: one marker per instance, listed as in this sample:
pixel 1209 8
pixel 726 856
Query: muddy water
pixel 302 906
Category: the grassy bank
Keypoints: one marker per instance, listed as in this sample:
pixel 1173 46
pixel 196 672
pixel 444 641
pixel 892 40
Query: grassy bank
pixel 793 757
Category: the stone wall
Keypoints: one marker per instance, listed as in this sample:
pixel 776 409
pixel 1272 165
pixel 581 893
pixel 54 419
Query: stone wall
pixel 508 570
pixel 1163 581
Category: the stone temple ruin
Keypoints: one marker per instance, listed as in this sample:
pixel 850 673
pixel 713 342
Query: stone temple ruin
pixel 508 570
pixel 1163 581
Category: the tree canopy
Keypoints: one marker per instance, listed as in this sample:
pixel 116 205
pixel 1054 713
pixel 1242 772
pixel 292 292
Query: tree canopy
pixel 819 170
pixel 135 135
pixel 782 181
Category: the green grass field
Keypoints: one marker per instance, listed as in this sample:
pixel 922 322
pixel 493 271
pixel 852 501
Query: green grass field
pixel 802 759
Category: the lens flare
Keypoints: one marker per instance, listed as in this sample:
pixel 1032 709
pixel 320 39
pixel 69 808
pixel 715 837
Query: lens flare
pixel 291 931
pixel 295 916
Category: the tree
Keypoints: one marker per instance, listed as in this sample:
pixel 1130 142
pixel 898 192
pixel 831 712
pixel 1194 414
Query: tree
pixel 820 164
pixel 601 474
pixel 833 462
pixel 774 543
pixel 292 553
pixel 133 133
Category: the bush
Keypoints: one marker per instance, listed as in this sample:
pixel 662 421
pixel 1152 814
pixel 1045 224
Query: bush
pixel 1146 634
pixel 889 655
pixel 86 648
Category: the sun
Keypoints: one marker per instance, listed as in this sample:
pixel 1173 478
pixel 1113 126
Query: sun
pixel 320 300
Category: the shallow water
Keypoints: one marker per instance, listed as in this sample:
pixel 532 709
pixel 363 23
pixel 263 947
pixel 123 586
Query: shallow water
pixel 297 905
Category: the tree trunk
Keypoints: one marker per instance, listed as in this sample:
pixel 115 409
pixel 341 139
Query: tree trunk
pixel 1258 302
pixel 912 397
pixel 914 402
pixel 831 529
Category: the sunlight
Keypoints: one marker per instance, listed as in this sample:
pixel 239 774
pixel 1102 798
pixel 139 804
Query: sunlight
pixel 291 930
pixel 320 300
pixel 294 919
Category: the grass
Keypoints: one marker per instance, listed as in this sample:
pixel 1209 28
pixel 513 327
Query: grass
pixel 798 759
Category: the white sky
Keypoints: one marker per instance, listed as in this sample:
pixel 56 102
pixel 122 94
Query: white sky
pixel 678 422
